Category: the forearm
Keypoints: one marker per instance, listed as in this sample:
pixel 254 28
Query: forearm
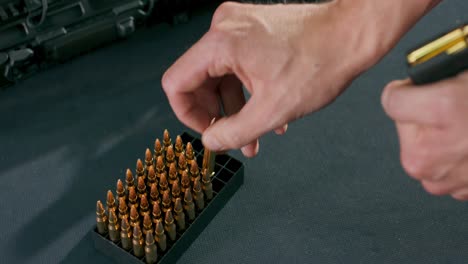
pixel 372 27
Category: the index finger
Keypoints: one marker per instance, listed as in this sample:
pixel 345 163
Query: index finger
pixel 191 74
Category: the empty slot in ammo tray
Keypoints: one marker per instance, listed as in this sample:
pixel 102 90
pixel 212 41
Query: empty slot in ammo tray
pixel 228 177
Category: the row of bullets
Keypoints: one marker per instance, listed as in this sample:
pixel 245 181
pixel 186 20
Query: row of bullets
pixel 171 183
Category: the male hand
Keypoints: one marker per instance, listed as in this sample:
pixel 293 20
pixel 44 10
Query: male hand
pixel 432 124
pixel 291 58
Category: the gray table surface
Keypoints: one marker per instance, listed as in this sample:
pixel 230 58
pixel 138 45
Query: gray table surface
pixel 330 191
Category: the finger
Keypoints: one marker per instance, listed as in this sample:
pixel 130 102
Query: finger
pixel 417 154
pixel 196 110
pixel 461 195
pixel 255 119
pixel 455 180
pixel 190 84
pixel 251 149
pixel 233 99
pixel 195 66
pixel 281 130
pixel 425 104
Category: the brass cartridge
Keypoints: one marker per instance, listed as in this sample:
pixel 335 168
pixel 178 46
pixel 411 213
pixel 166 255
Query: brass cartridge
pixel 189 206
pixel 173 174
pixel 114 227
pixel 126 234
pixel 169 225
pixel 151 252
pixel 160 235
pixel 198 195
pixel 179 214
pixel 101 218
pixel 189 153
pixel 138 242
pixel 179 147
pixel 154 194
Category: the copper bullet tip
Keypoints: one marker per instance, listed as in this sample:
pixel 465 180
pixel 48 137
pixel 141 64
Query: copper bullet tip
pixel 141 183
pixel 156 210
pixel 112 217
pixel 159 227
pixel 129 175
pixel 166 197
pixel 157 145
pixel 148 155
pixel 175 188
pixel 120 186
pixel 99 207
pixel 160 163
pixel 197 185
pixel 144 202
pixel 178 142
pixel 178 205
pixel 154 190
pixel 163 180
pixel 194 167
pixel 189 150
pixel 166 136
pixel 139 165
pixel 147 220
pixel 110 197
pixel 188 196
pixel 151 172
pixel 169 218
pixel 133 212
pixel 122 204
pixel 182 161
pixel 185 179
pixel 172 170
pixel 132 194
pixel 170 155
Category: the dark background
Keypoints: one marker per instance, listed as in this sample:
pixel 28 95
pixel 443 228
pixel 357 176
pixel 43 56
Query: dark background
pixel 330 191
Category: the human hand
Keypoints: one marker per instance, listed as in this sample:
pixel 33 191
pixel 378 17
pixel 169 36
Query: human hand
pixel 432 126
pixel 281 55
pixel 293 59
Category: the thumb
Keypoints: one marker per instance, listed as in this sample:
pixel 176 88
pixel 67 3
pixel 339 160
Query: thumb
pixel 405 102
pixel 240 129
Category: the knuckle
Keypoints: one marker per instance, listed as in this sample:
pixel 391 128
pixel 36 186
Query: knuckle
pixel 168 85
pixel 224 51
pixel 416 164
pixel 223 11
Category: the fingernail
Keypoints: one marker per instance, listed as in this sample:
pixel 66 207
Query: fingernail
pixel 250 150
pixel 461 193
pixel 212 143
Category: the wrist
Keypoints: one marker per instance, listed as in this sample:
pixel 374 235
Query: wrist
pixel 369 28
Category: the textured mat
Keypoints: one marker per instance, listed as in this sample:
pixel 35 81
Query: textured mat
pixel 330 191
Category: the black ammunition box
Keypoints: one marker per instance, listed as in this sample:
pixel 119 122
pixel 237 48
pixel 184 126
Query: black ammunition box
pixel 229 176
